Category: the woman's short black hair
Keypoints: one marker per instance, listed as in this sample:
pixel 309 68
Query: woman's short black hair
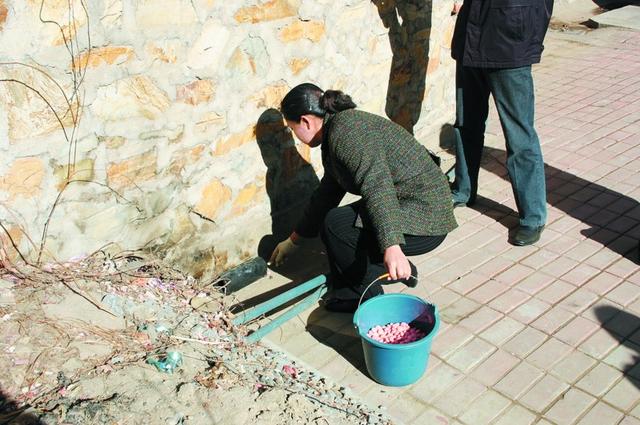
pixel 308 98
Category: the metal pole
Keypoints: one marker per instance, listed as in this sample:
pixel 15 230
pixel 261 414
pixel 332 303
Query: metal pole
pixel 301 306
pixel 275 302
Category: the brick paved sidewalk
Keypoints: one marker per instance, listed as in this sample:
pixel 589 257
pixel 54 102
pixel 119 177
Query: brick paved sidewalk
pixel 542 334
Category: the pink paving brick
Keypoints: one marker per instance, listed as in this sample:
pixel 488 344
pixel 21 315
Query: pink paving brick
pixel 516 415
pixel 509 300
pixel 525 342
pixel 502 330
pixel 559 266
pixel 514 274
pixel 481 319
pixel 460 397
pixel 580 274
pixel 494 266
pixel 443 298
pixel 468 283
pixel 570 407
pixel 450 340
pixel 488 291
pixel 530 310
pixel 438 380
pixel 601 414
pixel 576 331
pixel 603 283
pixel 458 310
pixel 623 267
pixel 624 395
pixel 579 300
pixel 552 320
pixel 583 250
pixel 624 358
pixel 555 292
pixel 599 379
pixel 549 353
pixel 485 408
pixel 573 367
pixel 468 356
pixel 520 379
pixel 543 393
pixel 562 244
pixel 603 310
pixel 599 344
pixel 495 367
pixel 535 283
pixel 624 294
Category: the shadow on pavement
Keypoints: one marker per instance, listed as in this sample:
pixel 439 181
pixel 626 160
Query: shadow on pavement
pixel 290 180
pixel 609 214
pixel 336 331
pixel 11 414
pixel 620 324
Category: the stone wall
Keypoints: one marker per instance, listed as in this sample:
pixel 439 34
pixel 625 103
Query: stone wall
pixel 150 124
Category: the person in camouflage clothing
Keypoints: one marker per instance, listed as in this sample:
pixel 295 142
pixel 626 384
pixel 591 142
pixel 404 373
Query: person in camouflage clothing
pixel 405 207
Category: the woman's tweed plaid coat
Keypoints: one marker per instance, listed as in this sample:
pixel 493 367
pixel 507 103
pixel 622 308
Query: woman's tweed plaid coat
pixel 403 191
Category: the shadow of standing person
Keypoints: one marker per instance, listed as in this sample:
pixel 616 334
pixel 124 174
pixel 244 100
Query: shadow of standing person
pixel 608 214
pixel 409 25
pixel 622 325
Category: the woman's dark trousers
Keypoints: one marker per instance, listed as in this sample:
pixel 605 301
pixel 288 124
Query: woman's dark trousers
pixel 355 257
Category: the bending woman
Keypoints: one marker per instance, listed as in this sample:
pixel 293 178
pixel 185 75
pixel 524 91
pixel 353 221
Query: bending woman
pixel 405 207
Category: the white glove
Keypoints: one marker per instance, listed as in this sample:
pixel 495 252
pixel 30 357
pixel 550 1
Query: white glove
pixel 282 251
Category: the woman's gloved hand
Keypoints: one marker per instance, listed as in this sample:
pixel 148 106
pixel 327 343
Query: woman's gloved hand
pixel 282 251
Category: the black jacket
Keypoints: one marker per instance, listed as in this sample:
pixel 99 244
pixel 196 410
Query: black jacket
pixel 501 33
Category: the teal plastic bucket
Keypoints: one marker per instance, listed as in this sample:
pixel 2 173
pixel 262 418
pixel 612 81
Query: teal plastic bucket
pixel 396 365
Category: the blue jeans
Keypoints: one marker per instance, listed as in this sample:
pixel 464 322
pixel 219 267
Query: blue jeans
pixel 512 91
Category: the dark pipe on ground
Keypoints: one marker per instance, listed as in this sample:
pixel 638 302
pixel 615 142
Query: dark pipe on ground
pixel 242 275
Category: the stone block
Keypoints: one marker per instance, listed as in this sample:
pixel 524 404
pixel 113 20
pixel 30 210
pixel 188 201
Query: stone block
pixel 130 97
pixel 3 14
pixel 196 92
pixel 165 51
pixel 312 30
pixel 268 11
pixel 214 197
pixel 165 16
pixel 296 65
pixel 81 170
pixel 184 157
pixel 271 96
pixel 112 142
pixel 248 196
pixel 27 114
pixel 132 171
pixel 24 178
pixel 60 11
pixel 107 55
pixel 209 48
pixel 112 14
pixel 226 145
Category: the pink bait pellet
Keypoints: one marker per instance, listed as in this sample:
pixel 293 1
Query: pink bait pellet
pixel 395 333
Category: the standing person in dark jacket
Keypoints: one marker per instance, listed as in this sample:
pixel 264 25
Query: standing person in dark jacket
pixel 494 44
pixel 405 207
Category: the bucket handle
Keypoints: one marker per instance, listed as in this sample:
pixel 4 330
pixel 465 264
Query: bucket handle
pixel 382 276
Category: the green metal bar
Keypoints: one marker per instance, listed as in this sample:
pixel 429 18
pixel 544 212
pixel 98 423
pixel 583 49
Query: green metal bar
pixel 275 302
pixel 301 306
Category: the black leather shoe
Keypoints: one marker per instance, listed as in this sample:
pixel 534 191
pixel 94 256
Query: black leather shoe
pixel 527 235
pixel 341 306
